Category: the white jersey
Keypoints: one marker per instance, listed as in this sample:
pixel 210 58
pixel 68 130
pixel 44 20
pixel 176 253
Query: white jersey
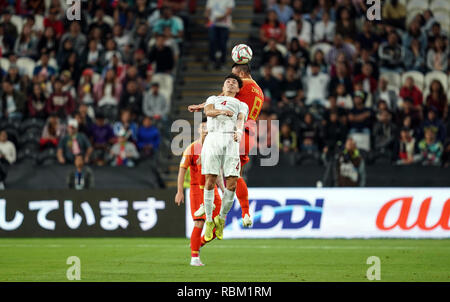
pixel 223 123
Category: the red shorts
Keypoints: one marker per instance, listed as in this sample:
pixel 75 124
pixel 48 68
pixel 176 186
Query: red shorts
pixel 248 142
pixel 196 196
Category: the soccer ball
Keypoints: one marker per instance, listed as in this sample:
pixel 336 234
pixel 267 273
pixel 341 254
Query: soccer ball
pixel 241 54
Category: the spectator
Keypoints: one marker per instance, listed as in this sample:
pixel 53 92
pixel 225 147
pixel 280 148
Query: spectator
pixel 36 102
pixel 48 43
pixel 292 89
pixel 367 39
pixel 53 21
pixel 346 26
pixel 127 124
pixel 12 103
pixel 340 48
pixel 365 58
pixel 414 58
pixel 82 177
pixel 7 157
pixel 368 81
pixel 430 149
pixel 309 135
pixel 437 56
pixel 108 90
pixel 283 10
pixel 387 94
pixel 325 29
pixel 408 110
pixel 168 20
pixel 272 29
pixel 360 116
pixel 343 99
pixel 432 120
pixel 405 148
pixel 316 86
pixel 77 38
pixel 72 144
pixel 350 167
pixel 84 119
pixel 341 77
pixel 102 136
pixel 99 22
pixel 148 138
pixel 162 55
pixel 52 132
pixel 26 44
pixel 288 139
pixel 44 68
pixel 334 133
pixel 155 105
pixel 60 102
pixel 410 90
pixel 92 55
pixel 123 153
pixel 9 29
pixel 415 33
pixel 86 88
pixel 319 59
pixel 385 134
pixel 273 49
pixel 391 54
pixel 270 86
pixel 299 29
pixel 437 99
pixel 218 13
pixel 394 13
pixel 132 99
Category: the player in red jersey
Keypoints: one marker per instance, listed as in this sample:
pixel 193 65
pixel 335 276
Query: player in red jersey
pixel 190 160
pixel 252 95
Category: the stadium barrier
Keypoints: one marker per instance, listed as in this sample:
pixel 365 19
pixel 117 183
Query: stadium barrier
pixel 341 213
pixel 90 213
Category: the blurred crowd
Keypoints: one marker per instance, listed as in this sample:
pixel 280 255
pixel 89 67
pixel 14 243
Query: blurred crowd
pixel 328 73
pixel 98 88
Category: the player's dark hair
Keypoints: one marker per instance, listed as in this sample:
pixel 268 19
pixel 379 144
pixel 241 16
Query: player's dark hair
pixel 245 68
pixel 237 78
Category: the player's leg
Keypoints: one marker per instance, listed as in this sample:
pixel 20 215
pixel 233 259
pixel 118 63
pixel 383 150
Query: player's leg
pixel 208 200
pixel 217 204
pixel 227 203
pixel 196 197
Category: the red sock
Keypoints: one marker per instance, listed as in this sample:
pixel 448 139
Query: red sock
pixel 242 195
pixel 203 241
pixel 195 241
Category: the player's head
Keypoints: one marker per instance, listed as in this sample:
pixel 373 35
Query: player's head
pixel 241 70
pixel 232 84
pixel 202 130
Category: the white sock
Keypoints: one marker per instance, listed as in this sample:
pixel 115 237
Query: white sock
pixel 208 201
pixel 227 203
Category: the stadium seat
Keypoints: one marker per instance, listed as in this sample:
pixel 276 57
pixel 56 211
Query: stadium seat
pixel 4 64
pixel 13 136
pixel 39 21
pixel 416 5
pixel 393 78
pixel 442 5
pixel 31 123
pixel 417 76
pixel 108 20
pixel 443 18
pixel 47 156
pixel 362 141
pixel 30 137
pixel 439 75
pixel 27 65
pixel 165 84
pixel 27 153
pixel 325 47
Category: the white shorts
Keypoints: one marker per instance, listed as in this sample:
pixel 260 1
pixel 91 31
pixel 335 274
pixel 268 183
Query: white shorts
pixel 220 151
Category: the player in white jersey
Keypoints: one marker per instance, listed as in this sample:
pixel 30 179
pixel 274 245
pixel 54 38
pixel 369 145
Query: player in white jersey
pixel 225 123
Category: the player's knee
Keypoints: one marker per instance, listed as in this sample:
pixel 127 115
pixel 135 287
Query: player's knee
pixel 231 183
pixel 199 223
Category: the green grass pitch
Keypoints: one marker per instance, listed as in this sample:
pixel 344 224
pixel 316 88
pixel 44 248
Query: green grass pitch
pixel 164 259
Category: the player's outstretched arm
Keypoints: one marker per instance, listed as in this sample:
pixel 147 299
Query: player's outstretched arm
pixel 196 108
pixel 179 197
pixel 239 127
pixel 213 112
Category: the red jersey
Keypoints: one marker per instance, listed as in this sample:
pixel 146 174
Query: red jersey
pixel 189 160
pixel 252 95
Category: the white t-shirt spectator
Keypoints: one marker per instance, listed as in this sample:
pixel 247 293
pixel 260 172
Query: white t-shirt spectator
pixel 324 32
pixel 8 150
pixel 218 9
pixel 292 31
pixel 316 88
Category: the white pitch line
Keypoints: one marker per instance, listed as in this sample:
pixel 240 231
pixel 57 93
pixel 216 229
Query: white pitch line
pixel 324 247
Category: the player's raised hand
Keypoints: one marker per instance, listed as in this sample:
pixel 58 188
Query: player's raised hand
pixel 227 112
pixel 194 108
pixel 179 198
